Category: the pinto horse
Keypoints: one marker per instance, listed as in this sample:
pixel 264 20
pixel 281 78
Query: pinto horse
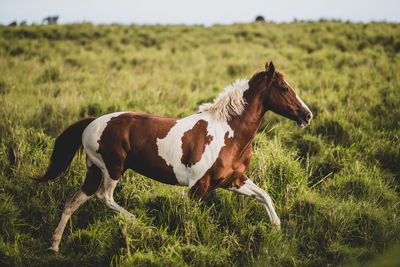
pixel 205 151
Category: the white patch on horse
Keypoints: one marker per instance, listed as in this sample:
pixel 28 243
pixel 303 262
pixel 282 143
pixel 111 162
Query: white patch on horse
pixel 298 98
pixel 91 137
pixel 170 147
pixel 229 103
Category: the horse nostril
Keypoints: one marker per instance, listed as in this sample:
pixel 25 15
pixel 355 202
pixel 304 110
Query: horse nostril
pixel 309 117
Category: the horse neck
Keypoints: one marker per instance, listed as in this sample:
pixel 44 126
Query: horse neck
pixel 246 124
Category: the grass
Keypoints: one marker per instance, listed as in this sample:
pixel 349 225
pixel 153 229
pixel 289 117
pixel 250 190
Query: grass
pixel 335 184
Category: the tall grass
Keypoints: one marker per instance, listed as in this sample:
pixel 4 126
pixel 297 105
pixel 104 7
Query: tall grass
pixel 335 184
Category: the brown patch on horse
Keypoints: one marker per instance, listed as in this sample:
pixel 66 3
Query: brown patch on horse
pixel 194 143
pixel 130 141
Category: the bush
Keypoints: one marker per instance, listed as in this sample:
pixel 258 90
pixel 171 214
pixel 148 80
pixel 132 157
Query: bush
pixel 51 74
pixel 91 110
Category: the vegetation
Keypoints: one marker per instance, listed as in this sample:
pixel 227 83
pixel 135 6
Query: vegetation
pixel 335 184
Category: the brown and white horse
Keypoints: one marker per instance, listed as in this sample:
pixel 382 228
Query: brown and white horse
pixel 207 150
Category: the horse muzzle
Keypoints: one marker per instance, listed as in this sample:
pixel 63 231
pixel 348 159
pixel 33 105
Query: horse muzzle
pixel 304 120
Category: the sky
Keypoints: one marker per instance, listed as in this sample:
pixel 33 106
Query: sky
pixel 205 12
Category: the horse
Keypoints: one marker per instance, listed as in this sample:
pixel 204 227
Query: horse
pixel 204 151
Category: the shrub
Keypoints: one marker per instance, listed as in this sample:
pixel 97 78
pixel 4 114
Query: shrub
pixel 333 130
pixel 235 70
pixel 4 89
pixel 91 109
pixel 51 74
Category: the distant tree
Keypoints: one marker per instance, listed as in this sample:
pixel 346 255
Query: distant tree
pixel 23 23
pixel 14 23
pixel 50 20
pixel 260 18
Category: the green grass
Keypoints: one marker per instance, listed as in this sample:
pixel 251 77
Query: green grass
pixel 335 184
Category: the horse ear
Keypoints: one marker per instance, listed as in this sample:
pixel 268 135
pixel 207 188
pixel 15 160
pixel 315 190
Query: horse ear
pixel 271 70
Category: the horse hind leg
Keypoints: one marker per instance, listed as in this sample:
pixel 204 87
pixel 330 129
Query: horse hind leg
pixel 106 191
pixel 89 187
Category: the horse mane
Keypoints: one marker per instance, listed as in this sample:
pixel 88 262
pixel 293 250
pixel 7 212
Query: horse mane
pixel 231 101
pixel 228 103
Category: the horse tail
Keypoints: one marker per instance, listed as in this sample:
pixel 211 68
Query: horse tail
pixel 65 148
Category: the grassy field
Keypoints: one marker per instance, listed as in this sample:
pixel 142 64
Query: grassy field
pixel 336 184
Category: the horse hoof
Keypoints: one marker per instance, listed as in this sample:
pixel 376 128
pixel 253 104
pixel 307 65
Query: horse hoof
pixel 276 227
pixel 52 250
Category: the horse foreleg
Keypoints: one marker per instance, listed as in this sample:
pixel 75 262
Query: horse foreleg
pixel 200 188
pixel 252 190
pixel 70 206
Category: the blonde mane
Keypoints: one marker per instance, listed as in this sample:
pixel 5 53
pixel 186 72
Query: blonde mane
pixel 229 103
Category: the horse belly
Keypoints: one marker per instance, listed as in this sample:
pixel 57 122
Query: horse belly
pixel 152 167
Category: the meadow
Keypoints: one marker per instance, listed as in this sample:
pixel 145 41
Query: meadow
pixel 335 184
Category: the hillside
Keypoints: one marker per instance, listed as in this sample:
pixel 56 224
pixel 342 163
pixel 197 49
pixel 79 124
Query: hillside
pixel 335 184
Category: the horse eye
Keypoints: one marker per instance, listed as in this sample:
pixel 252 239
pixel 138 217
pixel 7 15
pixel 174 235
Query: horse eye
pixel 284 89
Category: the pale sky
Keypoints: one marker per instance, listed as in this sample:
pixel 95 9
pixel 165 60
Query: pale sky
pixel 206 12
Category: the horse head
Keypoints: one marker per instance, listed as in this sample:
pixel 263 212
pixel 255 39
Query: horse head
pixel 282 99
